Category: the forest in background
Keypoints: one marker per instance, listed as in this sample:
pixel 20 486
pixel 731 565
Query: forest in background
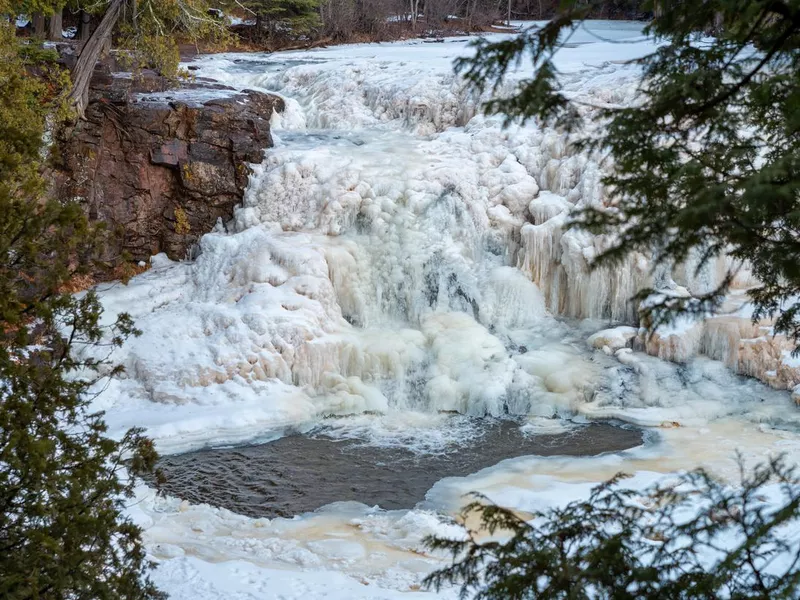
pixel 276 24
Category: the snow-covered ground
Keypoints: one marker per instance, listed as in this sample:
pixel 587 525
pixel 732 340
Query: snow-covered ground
pixel 399 254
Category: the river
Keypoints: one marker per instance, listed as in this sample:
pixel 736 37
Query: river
pixel 395 317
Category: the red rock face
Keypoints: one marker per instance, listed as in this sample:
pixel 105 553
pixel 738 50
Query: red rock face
pixel 160 172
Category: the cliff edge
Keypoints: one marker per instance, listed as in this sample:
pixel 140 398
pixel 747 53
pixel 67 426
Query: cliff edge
pixel 160 166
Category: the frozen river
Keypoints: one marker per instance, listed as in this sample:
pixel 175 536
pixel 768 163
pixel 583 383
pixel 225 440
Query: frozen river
pixel 400 258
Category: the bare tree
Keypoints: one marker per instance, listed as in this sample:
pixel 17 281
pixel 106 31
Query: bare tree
pixel 414 13
pixel 90 53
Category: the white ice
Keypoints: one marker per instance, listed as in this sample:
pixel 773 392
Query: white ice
pixel 397 256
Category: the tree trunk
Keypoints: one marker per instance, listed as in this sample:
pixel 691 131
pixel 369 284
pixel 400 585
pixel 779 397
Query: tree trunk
pixel 82 74
pixel 472 12
pixel 56 26
pixel 38 24
pixel 84 26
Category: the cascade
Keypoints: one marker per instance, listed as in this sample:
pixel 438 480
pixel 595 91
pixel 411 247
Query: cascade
pixel 399 257
pixel 397 251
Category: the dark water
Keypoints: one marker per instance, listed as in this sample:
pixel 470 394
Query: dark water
pixel 300 473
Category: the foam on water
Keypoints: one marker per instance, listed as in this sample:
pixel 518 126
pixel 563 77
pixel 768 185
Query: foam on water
pixel 417 432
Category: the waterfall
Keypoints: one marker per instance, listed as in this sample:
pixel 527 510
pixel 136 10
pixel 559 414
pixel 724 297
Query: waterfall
pixel 396 251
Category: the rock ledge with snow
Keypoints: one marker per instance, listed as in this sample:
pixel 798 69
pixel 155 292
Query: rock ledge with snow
pixel 160 166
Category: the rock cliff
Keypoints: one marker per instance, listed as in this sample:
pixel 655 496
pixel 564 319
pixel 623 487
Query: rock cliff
pixel 159 167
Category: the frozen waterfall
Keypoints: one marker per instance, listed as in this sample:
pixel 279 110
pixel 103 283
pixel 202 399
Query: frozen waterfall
pixel 398 257
pixel 397 252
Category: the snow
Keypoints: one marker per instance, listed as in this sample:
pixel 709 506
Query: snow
pixel 790 359
pixel 233 21
pixel 611 340
pixel 196 96
pixel 397 255
pixel 364 552
pixel 359 551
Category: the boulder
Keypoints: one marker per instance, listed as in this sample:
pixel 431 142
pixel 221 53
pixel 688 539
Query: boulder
pixel 611 340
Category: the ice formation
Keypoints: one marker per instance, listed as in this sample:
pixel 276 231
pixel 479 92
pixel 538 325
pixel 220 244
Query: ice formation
pixel 398 251
pixel 398 255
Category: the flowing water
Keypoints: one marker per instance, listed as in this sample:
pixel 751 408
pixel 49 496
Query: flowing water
pixel 301 473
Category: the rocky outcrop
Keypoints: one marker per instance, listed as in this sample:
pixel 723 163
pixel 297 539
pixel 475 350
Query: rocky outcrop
pixel 159 167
